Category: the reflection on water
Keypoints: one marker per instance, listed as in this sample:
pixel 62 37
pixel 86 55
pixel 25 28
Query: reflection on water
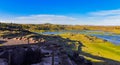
pixel 114 38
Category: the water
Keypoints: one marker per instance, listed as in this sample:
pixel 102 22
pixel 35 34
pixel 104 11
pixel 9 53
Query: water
pixel 111 37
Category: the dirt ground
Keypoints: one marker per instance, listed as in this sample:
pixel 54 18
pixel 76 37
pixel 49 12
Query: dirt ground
pixel 12 41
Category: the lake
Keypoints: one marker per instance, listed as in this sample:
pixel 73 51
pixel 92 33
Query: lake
pixel 111 37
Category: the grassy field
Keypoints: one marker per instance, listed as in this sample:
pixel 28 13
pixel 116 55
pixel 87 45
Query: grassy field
pixel 99 51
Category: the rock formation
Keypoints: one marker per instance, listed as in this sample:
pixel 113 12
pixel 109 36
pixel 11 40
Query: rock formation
pixel 35 54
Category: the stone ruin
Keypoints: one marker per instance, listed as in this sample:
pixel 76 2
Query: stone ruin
pixel 39 54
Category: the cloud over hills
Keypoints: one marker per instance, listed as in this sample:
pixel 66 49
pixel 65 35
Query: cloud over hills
pixel 106 17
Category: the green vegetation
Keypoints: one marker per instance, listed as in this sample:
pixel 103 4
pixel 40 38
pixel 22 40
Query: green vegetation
pixel 97 50
pixel 55 27
pixel 101 52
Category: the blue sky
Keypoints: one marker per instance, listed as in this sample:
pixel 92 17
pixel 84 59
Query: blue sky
pixel 82 12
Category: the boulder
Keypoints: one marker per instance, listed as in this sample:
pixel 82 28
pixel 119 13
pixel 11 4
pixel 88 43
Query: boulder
pixel 4 54
pixel 3 62
pixel 17 56
pixel 33 56
pixel 28 56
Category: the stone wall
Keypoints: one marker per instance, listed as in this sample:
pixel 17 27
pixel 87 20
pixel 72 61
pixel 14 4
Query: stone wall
pixel 39 54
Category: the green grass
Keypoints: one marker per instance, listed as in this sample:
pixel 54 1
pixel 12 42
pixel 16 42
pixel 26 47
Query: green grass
pixel 103 50
pixel 100 52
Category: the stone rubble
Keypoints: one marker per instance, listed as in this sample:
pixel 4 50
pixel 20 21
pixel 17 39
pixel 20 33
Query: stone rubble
pixel 35 54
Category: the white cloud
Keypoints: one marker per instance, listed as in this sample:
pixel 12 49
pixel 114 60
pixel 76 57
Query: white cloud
pixel 107 17
pixel 106 13
pixel 38 19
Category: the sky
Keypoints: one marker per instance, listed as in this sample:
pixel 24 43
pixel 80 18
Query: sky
pixel 70 12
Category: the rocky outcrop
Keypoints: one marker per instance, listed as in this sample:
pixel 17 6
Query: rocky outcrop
pixel 21 55
pixel 36 54
pixel 80 60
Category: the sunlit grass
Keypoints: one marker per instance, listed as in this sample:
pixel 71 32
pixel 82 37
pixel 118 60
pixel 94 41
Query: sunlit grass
pixel 101 49
pixel 93 59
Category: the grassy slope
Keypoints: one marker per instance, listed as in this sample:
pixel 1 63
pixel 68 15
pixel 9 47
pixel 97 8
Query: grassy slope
pixel 97 50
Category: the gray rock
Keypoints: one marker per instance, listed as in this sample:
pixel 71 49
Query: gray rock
pixel 3 62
